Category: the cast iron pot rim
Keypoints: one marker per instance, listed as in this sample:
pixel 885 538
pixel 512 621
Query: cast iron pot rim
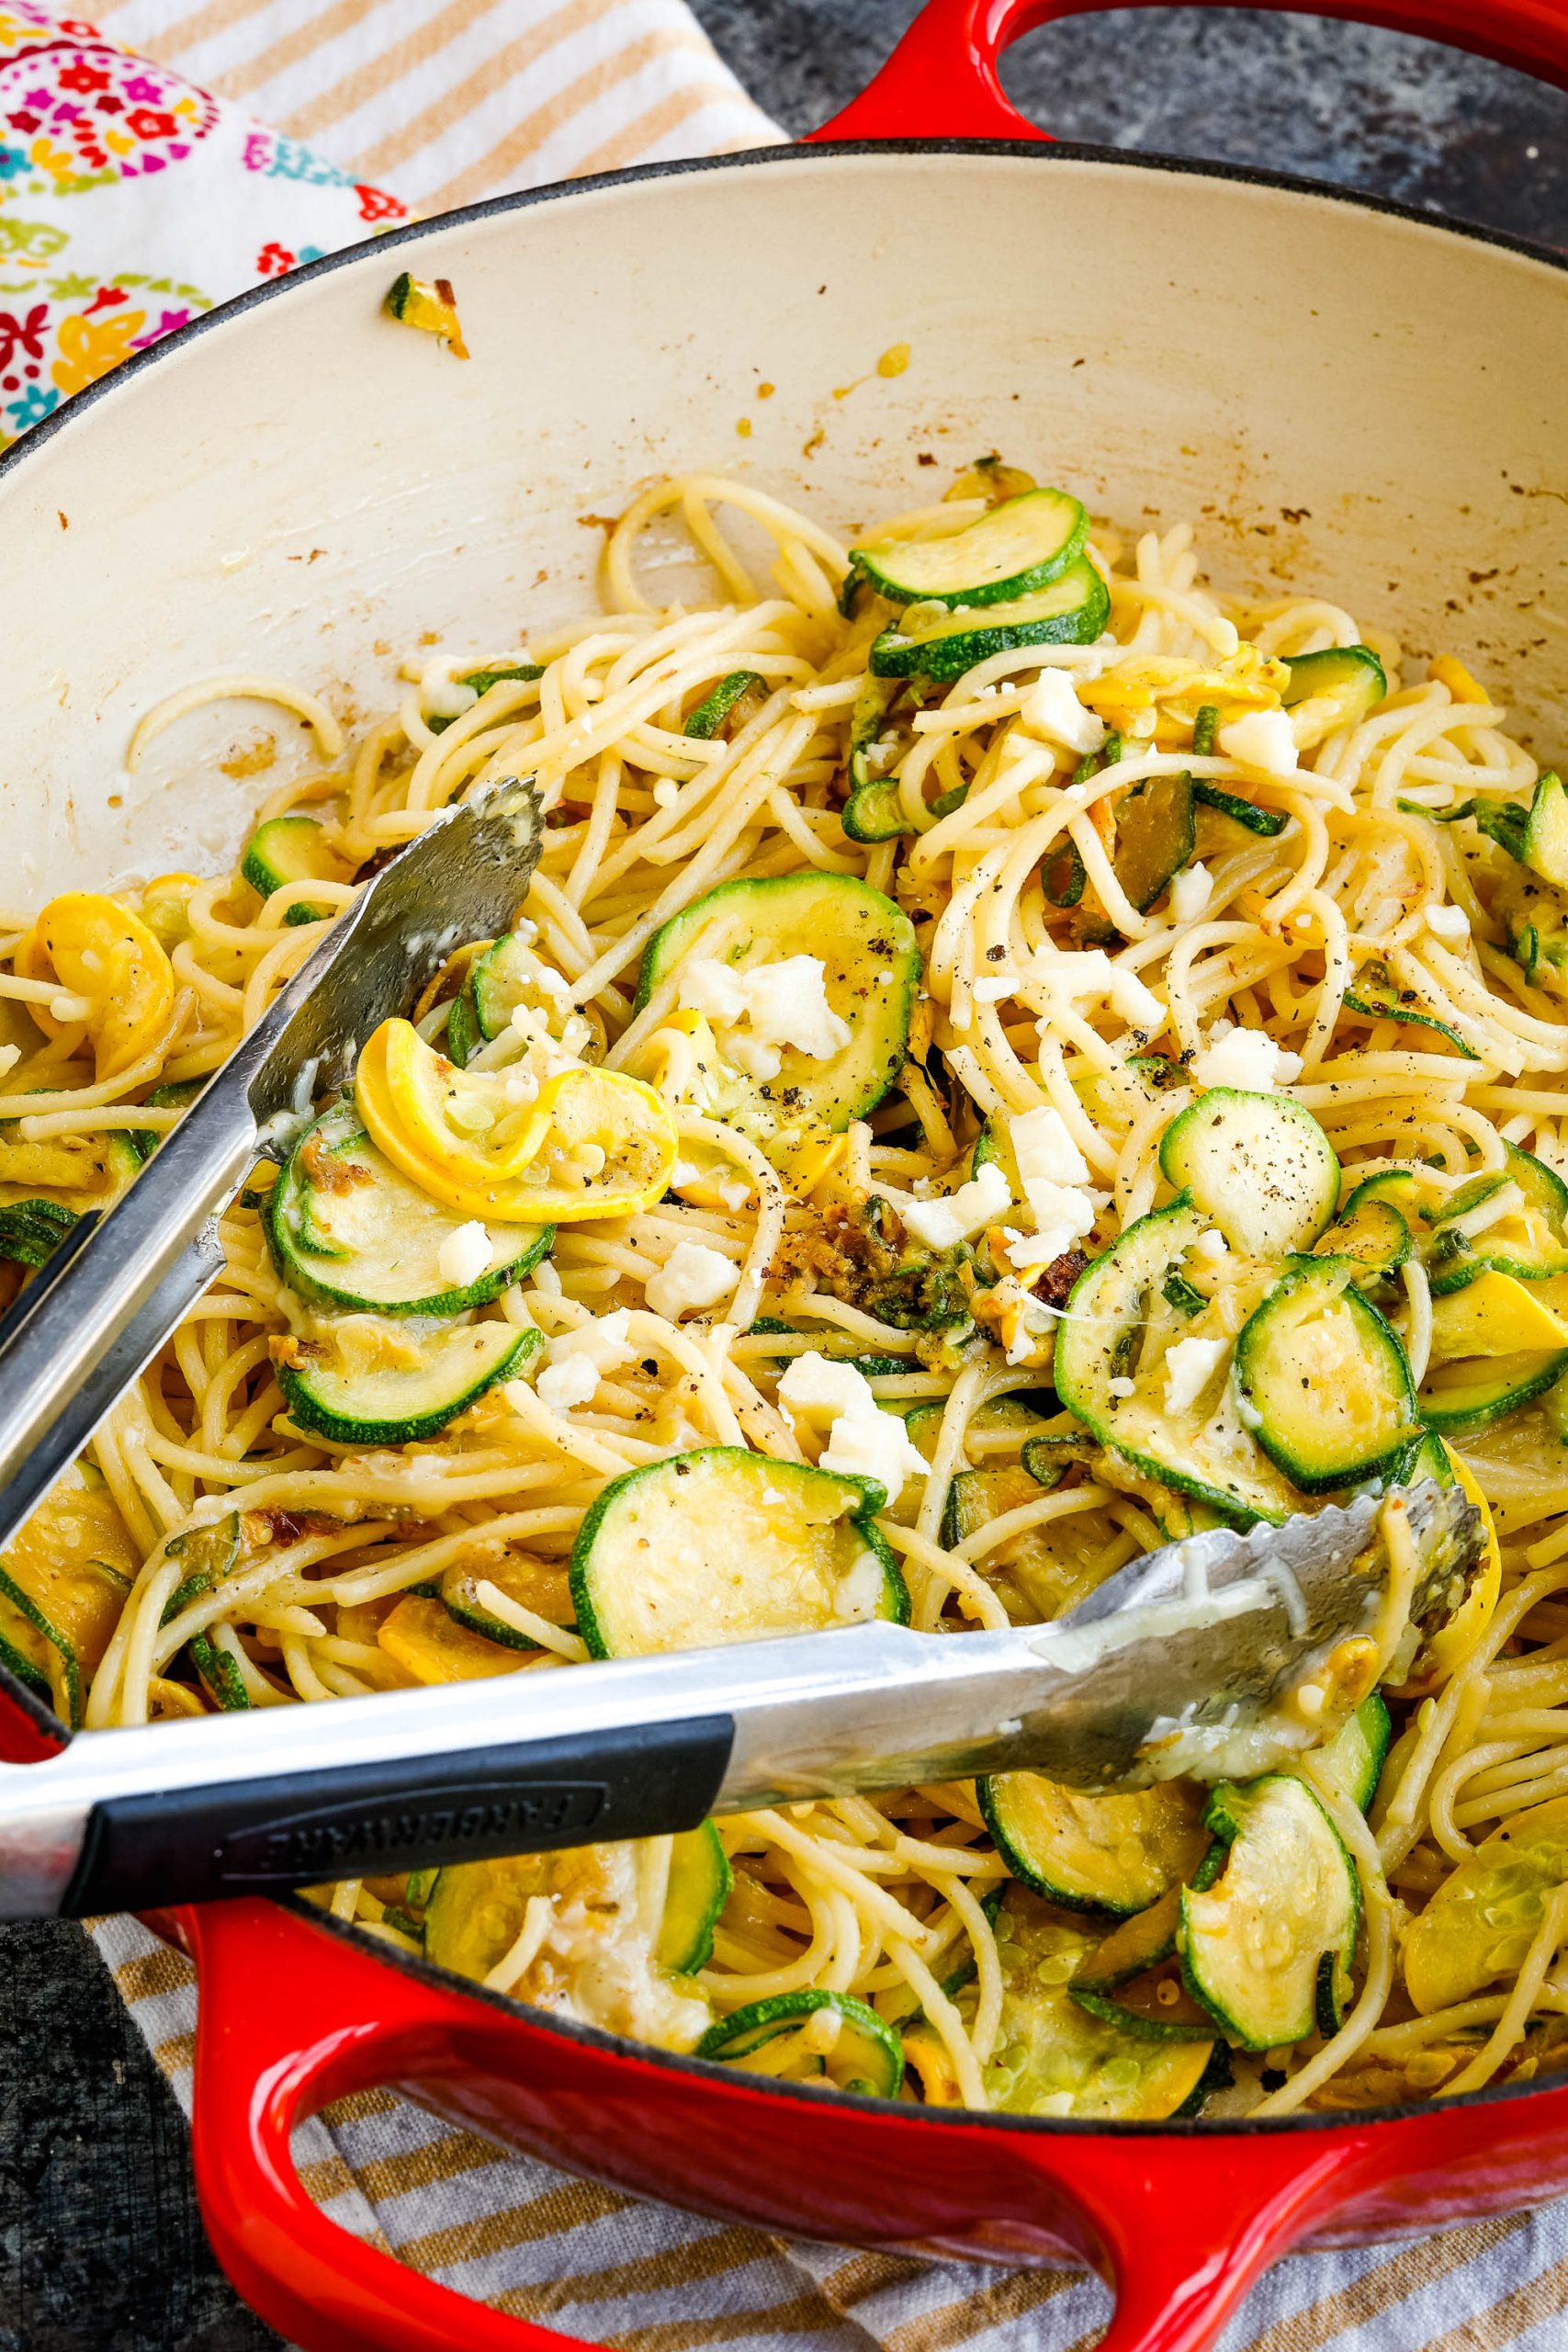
pixel 1044 152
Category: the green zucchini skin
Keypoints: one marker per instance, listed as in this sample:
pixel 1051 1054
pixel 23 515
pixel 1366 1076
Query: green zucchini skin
pixel 1073 610
pixel 858 935
pixel 389 1267
pixel 728 1523
pixel 1503 1384
pixel 1353 1759
pixel 1352 673
pixel 462 1363
pixel 1453 1261
pixel 287 850
pixel 1267 822
pixel 1288 1900
pixel 1109 1308
pixel 481 681
pixel 700 1884
pixel 1017 547
pixel 1324 1379
pixel 31 1231
pixel 1155 838
pixel 870 2053
pixel 1258 1165
pixel 875 812
pixel 709 716
pixel 1075 1850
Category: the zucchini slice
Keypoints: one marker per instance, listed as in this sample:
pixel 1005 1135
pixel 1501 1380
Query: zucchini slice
pixel 700 1881
pixel 1354 1757
pixel 1352 674
pixel 529 1582
pixel 1052 2056
pixel 1267 1949
pixel 723 1545
pixel 1115 1853
pixel 1267 822
pixel 1529 1240
pixel 1154 838
pixel 31 1231
pixel 1043 1572
pixel 144 1141
pixel 866 2053
pixel 348 1231
pixel 500 673
pixel 1324 1381
pixel 870 970
pixel 374 1383
pixel 288 850
pixel 1480 1923
pixel 1118 1327
pixel 1495 1316
pixel 929 640
pixel 1536 836
pixel 1258 1164
pixel 1016 548
pixel 1457 1399
pixel 1133 1979
pixel 875 812
pixel 709 716
pixel 1373 1233
pixel 1375 998
pixel 74 1563
pixel 872 748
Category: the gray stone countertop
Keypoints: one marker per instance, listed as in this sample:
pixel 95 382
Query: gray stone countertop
pixel 101 2246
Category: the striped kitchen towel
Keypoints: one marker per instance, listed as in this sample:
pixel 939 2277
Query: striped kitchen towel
pixel 164 158
pixel 641 2277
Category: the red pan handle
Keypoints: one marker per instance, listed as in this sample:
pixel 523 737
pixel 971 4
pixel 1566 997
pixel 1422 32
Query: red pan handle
pixel 268 2058
pixel 260 2068
pixel 940 82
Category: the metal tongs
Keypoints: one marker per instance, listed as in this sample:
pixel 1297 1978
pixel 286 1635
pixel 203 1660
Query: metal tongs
pixel 1190 1661
pixel 113 1292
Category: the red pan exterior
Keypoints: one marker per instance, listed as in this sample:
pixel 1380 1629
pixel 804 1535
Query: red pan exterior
pixel 1179 2218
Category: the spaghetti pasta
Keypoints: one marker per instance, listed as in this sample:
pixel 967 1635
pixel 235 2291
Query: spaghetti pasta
pixel 1314 934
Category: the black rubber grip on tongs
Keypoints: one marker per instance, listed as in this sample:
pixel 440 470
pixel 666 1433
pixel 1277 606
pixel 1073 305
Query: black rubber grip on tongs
pixel 192 1845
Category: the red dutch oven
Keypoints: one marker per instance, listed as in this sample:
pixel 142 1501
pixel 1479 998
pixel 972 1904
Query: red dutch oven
pixel 1344 393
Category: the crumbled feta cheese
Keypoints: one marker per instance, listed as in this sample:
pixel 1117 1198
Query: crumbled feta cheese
pixel 1211 1244
pixel 570 1382
pixel 1052 710
pixel 601 1343
pixel 1030 1252
pixel 948 1219
pixel 1135 1003
pixel 786 1005
pixel 1043 1148
pixel 1448 922
pixel 693 1276
pixel 1245 1058
pixel 710 986
pixel 758 1060
pixel 450 699
pixel 464 1255
pixel 863 1442
pixel 1064 1216
pixel 1189 1367
pixel 1121 1386
pixel 1191 893
pixel 859 1591
pixel 1261 739
pixel 666 792
pixel 816 1385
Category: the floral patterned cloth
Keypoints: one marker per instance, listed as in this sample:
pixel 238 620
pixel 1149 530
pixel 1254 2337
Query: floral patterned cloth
pixel 130 200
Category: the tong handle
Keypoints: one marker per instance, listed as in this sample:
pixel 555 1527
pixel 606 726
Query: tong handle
pixel 97 1324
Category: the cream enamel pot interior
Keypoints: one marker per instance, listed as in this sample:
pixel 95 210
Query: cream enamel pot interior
pixel 1339 394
